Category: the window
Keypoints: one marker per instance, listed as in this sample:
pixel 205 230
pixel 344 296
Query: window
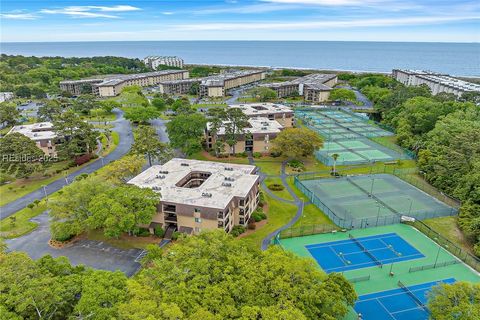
pixel 197 210
pixel 198 220
pixel 197 230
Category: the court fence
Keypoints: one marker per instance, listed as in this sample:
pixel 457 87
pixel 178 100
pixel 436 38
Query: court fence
pixel 460 253
pixel 394 147
pixel 433 266
pixel 359 279
pixel 307 230
pixel 411 175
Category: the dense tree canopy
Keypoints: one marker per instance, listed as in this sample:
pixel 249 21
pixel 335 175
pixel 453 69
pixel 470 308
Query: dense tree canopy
pixel 210 276
pixel 240 283
pixel 297 142
pixel 342 94
pixel 186 131
pixel 460 300
pixel 20 155
pixel 33 76
pixel 9 114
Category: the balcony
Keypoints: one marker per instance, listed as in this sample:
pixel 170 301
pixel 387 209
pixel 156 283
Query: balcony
pixel 170 218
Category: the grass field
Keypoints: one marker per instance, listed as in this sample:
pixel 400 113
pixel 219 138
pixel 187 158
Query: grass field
pixel 22 224
pixel 284 194
pixel 447 227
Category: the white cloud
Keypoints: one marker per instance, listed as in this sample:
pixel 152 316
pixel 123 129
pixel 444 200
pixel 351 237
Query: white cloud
pixel 327 2
pixel 405 21
pixel 18 16
pixel 167 13
pixel 90 11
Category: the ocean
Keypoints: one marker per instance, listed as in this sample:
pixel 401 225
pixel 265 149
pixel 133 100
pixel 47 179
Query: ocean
pixel 461 59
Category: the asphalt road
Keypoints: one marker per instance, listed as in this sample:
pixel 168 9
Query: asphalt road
pixel 123 128
pixel 95 254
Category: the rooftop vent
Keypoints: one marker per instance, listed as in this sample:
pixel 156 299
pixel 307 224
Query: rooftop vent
pixel 226 184
pixel 156 188
pixel 228 168
pixel 264 128
pixel 206 195
pixel 229 179
pixel 184 164
pixel 163 172
pixel 159 176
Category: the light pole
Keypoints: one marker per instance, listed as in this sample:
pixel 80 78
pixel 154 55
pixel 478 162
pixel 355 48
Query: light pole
pixel 101 159
pixel 371 188
pixel 410 209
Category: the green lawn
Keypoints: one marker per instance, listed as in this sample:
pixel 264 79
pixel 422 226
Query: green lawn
pixel 269 166
pixel 107 117
pixel 22 224
pixel 447 227
pixel 278 213
pixel 312 216
pixel 203 155
pixel 284 194
pixel 124 241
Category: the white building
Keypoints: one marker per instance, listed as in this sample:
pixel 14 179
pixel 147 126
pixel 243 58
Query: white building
pixel 41 133
pixel 6 96
pixel 155 61
pixel 435 81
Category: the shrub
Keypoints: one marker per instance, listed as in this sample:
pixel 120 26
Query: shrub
pixel 276 187
pixel 256 154
pixel 251 224
pixel 176 235
pixel 275 154
pixel 143 232
pixel 261 200
pixel 242 154
pixel 4 178
pixel 237 230
pixel 259 215
pixel 295 164
pixel 58 171
pixel 81 176
pixel 159 232
pixel 30 206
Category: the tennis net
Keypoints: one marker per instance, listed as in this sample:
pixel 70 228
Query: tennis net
pixel 412 295
pixel 373 196
pixel 360 245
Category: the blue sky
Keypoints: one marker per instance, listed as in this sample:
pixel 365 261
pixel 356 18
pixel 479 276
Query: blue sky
pixel 347 20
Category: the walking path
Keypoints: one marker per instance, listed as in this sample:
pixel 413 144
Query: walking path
pixel 297 202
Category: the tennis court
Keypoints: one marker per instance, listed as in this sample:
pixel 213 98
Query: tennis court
pixel 403 303
pixel 370 200
pixel 364 252
pixel 347 136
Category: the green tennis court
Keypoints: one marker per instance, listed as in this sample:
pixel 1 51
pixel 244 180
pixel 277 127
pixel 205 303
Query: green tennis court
pixel 371 200
pixel 436 263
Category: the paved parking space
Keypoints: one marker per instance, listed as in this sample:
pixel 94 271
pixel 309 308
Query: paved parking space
pixel 95 254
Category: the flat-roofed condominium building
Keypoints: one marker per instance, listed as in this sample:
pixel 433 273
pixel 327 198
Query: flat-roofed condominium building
pixel 217 85
pixel 155 61
pixel 272 111
pixel 256 137
pixel 41 133
pixel 435 81
pixel 314 87
pixel 113 85
pixel 201 195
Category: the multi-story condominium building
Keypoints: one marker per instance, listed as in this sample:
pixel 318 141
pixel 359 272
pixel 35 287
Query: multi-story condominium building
pixel 77 87
pixel 155 61
pixel 201 195
pixel 257 135
pixel 112 86
pixel 217 85
pixel 435 81
pixel 272 111
pixel 6 96
pixel 177 86
pixel 42 133
pixel 314 87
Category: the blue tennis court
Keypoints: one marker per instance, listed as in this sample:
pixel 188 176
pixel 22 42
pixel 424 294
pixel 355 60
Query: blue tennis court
pixel 397 304
pixel 357 253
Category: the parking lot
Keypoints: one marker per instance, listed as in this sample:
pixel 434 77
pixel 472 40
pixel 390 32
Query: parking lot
pixel 95 254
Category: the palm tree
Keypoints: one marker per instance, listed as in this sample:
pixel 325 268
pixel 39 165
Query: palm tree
pixel 335 157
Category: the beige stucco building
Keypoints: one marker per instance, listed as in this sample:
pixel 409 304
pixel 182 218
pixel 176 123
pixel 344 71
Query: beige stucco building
pixel 435 81
pixel 217 85
pixel 112 86
pixel 272 111
pixel 201 195
pixel 41 133
pixel 314 87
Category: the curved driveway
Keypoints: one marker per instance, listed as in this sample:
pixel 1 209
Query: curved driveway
pixel 123 128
